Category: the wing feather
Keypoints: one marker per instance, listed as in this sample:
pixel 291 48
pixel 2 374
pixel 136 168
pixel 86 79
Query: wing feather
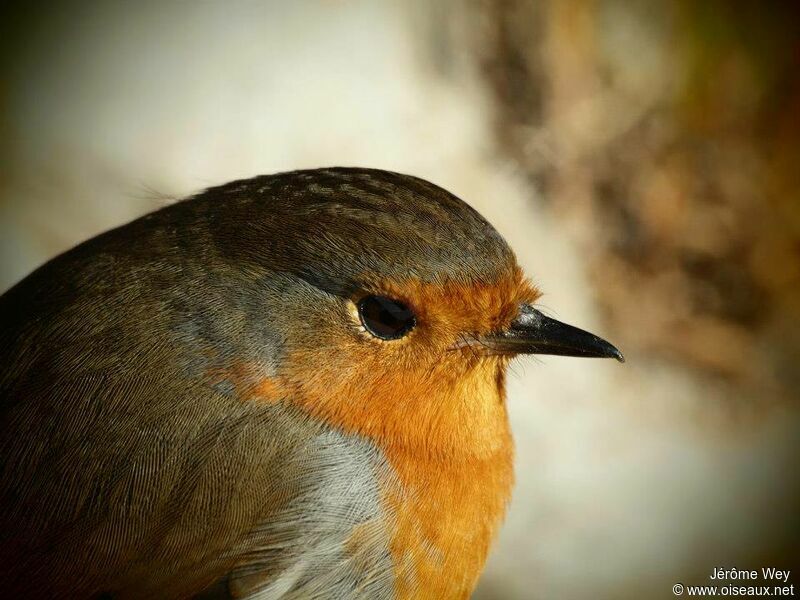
pixel 104 496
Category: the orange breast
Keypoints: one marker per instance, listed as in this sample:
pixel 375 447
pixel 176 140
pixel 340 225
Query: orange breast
pixel 437 412
pixel 447 514
pixel 448 441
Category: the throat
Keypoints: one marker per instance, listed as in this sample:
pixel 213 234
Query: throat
pixel 444 431
pixel 446 514
pixel 451 491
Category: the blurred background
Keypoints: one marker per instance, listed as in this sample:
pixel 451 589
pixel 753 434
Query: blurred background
pixel 641 157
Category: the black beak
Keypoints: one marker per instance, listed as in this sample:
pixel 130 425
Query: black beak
pixel 533 333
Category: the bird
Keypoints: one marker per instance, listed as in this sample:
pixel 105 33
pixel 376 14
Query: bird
pixel 288 386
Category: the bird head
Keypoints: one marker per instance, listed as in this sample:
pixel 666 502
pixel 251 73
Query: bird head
pixel 370 303
pixel 393 308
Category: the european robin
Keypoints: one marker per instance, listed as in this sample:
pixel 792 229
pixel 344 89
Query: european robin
pixel 290 386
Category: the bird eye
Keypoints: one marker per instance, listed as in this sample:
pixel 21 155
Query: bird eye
pixel 385 318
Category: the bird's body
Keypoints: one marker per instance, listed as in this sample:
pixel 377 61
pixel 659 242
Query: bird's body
pixel 189 405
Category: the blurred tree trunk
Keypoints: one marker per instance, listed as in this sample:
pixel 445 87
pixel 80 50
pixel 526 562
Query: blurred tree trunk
pixel 668 135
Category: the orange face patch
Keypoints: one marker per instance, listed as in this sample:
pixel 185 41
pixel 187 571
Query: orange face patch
pixel 459 308
pixel 420 391
pixel 437 412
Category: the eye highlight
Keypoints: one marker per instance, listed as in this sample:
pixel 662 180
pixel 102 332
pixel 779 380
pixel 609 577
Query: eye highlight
pixel 385 318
